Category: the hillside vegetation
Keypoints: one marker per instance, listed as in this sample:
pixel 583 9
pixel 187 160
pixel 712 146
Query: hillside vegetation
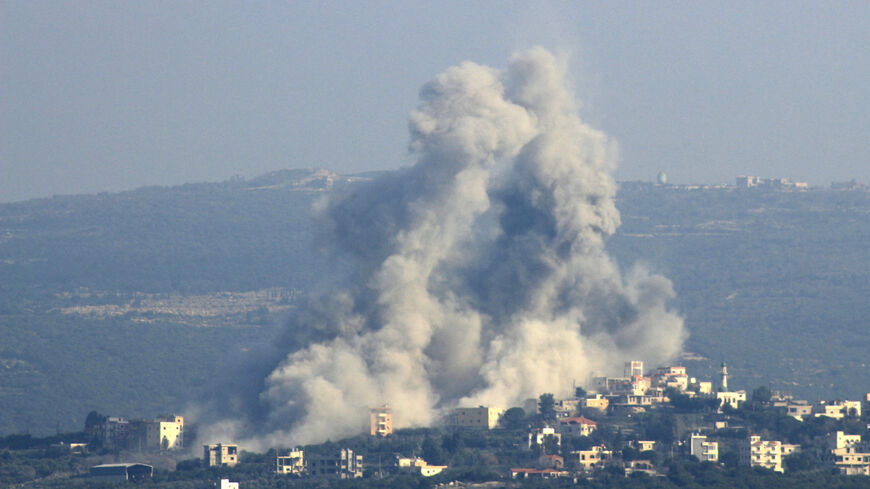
pixel 117 302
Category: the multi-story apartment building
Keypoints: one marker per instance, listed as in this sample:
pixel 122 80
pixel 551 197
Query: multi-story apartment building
pixel 381 421
pixel 293 463
pixel 220 454
pixel 705 451
pixel 674 377
pixel 762 453
pixel 849 454
pixel 633 368
pixel 479 417
pixel 342 465
pixel 165 433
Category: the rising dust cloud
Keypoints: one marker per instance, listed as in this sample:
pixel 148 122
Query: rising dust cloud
pixel 476 276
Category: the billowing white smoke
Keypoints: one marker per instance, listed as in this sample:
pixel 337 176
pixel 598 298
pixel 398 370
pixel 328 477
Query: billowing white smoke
pixel 476 276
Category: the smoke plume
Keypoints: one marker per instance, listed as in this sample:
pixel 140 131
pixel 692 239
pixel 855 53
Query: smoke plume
pixel 476 276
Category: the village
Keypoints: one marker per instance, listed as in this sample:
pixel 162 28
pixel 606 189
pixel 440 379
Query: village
pixel 633 425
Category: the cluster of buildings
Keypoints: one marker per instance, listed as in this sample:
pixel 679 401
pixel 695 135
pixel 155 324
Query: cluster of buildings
pixel 636 391
pixel 158 434
pixel 342 464
pixel 849 453
pixel 800 410
pixel 773 183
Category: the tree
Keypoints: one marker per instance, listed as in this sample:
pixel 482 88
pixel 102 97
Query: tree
pixel 514 418
pixel 729 459
pixel 94 418
pixel 551 444
pixel 432 453
pixel 799 461
pixel 547 407
pixel 629 454
pixel 761 394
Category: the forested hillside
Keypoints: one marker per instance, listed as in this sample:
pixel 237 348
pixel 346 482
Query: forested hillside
pixel 117 302
pixel 775 283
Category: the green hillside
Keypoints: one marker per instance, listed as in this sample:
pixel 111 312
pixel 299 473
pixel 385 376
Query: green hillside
pixel 115 302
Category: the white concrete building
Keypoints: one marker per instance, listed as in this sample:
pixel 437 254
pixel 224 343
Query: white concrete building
pixel 837 409
pixel 540 435
pixel 732 399
pixel 762 453
pixel 643 445
pixel 417 464
pixel 165 433
pixel 705 451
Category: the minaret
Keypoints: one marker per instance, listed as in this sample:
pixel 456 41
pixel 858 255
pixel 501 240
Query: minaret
pixel 723 385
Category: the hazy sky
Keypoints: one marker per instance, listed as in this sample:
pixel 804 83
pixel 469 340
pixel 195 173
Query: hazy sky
pixel 106 96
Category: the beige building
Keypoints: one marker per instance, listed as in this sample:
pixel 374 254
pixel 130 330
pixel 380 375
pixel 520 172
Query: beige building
pixel 788 449
pixel 220 454
pixel 837 409
pixel 293 463
pixel 705 451
pixel 673 376
pixel 849 454
pixel 799 409
pixel 381 421
pixel 842 440
pixel 566 407
pixel 578 426
pixel 165 433
pixel 595 401
pixel 479 417
pixel 643 445
pixel 762 453
pixel 342 465
pixel 702 387
pixel 852 462
pixel 592 458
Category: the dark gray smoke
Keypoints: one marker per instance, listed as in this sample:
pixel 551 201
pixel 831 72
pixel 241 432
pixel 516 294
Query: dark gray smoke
pixel 476 276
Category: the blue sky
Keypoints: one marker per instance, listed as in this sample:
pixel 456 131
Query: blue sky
pixel 105 96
